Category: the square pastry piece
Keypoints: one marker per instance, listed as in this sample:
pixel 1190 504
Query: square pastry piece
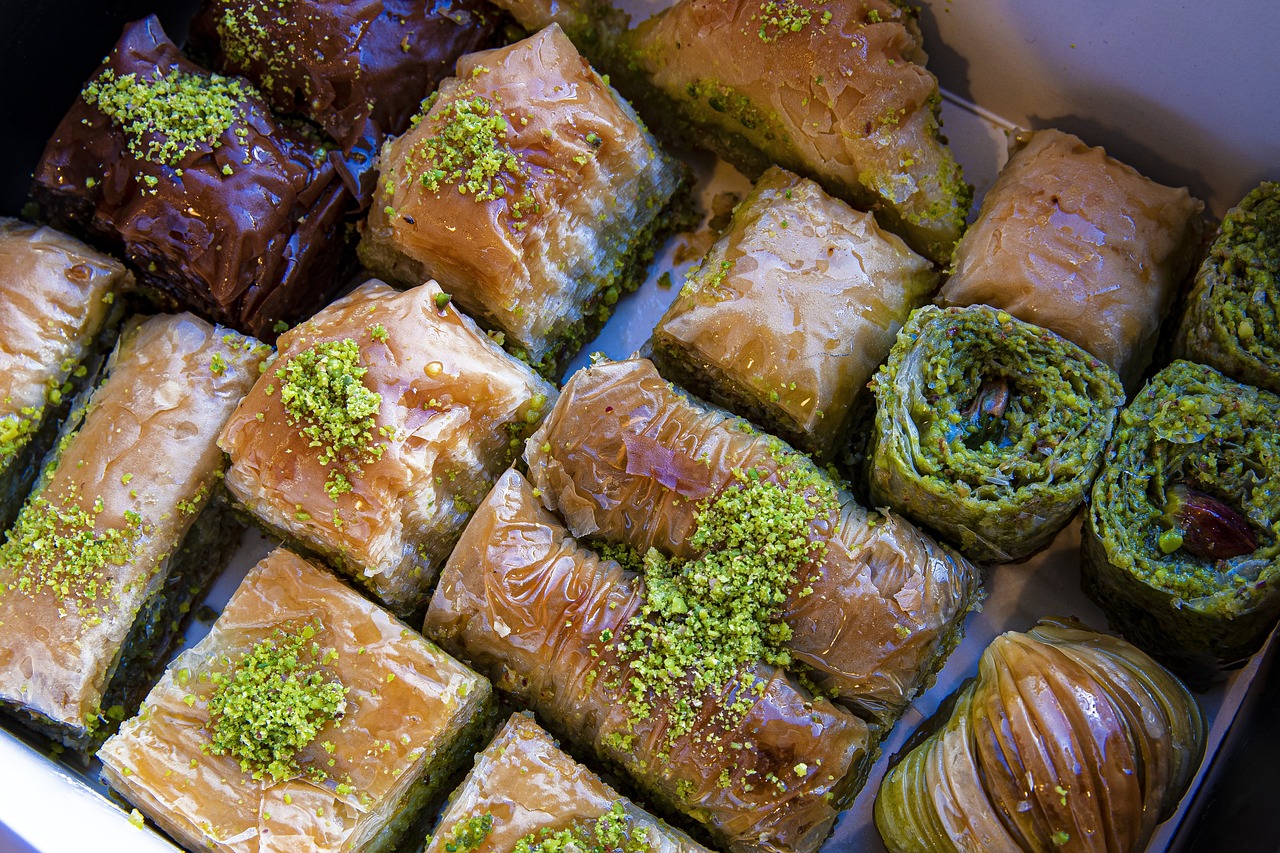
pixel 120 535
pixel 308 719
pixel 525 795
pixel 58 318
pixel 382 423
pixel 530 191
pixel 218 207
pixel 791 311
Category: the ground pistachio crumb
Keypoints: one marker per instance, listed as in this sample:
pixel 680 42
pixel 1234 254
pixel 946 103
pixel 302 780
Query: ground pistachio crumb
pixel 778 17
pixel 612 831
pixel 468 834
pixel 135 818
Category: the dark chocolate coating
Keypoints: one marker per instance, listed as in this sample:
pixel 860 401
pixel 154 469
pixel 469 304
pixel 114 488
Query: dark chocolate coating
pixel 357 68
pixel 246 247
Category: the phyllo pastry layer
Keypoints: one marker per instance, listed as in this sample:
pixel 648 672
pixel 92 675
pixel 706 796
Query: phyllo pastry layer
pixel 308 719
pixel 791 311
pixel 383 421
pixel 868 602
pixel 1075 241
pixel 58 317
pixel 736 745
pixel 530 191
pixel 835 90
pixel 122 532
pixel 218 208
pixel 524 794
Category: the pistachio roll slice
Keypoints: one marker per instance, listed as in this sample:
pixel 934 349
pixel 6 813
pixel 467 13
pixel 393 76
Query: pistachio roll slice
pixel 1182 540
pixel 1230 321
pixel 989 429
pixel 1066 738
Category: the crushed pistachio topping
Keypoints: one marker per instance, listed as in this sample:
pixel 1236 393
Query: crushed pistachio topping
pixel 468 834
pixel 55 546
pixel 779 17
pixel 324 398
pixel 245 39
pixel 168 117
pixel 16 430
pixel 612 831
pixel 272 702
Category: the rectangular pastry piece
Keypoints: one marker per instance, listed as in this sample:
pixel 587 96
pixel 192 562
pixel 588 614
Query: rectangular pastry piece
pixel 740 748
pixel 217 207
pixel 308 719
pixel 123 532
pixel 791 311
pixel 1075 241
pixel 59 315
pixel 835 90
pixel 530 191
pixel 358 69
pixel 871 605
pixel 381 424
pixel 524 794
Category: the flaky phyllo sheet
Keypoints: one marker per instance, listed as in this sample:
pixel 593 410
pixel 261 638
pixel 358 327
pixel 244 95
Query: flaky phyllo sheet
pixel 791 311
pixel 524 790
pixel 113 536
pixel 308 719
pixel 58 312
pixel 529 190
pixel 627 459
pixel 758 761
pixel 381 424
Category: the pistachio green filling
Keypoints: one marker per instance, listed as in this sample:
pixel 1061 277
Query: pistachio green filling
pixel 468 834
pixel 613 832
pixel 168 117
pixel 272 703
pixel 324 397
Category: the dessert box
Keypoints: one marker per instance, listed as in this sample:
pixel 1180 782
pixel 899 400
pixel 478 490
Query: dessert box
pixel 1184 98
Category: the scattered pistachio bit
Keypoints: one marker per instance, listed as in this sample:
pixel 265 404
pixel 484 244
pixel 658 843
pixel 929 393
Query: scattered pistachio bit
pixel 469 834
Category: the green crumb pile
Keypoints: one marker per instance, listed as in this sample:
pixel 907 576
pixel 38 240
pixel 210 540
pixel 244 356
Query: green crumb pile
pixel 779 17
pixel 469 834
pixel 470 150
pixel 245 39
pixel 56 547
pixel 168 117
pixel 323 397
pixel 16 431
pixel 612 832
pixel 272 703
pixel 705 620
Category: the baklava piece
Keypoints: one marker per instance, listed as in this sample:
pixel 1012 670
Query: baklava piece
pixel 526 796
pixel 381 424
pixel 531 192
pixel 791 312
pixel 123 532
pixel 59 315
pixel 308 719
pixel 218 208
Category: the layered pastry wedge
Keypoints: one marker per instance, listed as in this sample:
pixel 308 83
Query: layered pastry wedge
pixel 124 530
pixel 792 310
pixel 526 796
pixel 529 189
pixel 872 605
pixel 689 715
pixel 1075 241
pixel 381 424
pixel 59 315
pixel 216 205
pixel 308 719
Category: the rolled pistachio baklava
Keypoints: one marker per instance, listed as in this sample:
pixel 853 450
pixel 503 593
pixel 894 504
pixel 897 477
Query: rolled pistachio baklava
pixel 123 532
pixel 682 706
pixel 216 206
pixel 382 423
pixel 989 430
pixel 308 719
pixel 791 311
pixel 1231 321
pixel 835 90
pixel 1075 241
pixel 868 604
pixel 1181 545
pixel 59 315
pixel 529 189
pixel 526 796
pixel 1067 739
